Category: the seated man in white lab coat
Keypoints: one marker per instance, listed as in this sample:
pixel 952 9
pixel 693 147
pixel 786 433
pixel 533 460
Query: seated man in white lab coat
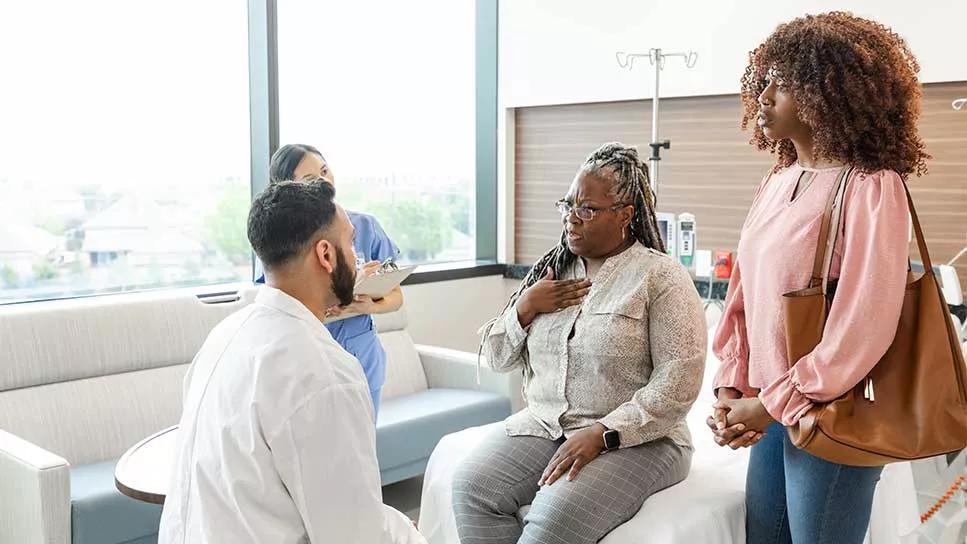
pixel 277 441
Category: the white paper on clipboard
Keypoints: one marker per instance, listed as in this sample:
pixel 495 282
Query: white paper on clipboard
pixel 379 285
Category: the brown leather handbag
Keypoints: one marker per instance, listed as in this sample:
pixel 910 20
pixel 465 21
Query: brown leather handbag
pixel 913 404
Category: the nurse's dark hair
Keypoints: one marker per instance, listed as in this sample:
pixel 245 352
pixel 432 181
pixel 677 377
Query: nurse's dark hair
pixel 286 160
pixel 619 165
pixel 287 217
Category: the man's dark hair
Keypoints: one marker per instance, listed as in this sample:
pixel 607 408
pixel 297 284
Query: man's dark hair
pixel 288 216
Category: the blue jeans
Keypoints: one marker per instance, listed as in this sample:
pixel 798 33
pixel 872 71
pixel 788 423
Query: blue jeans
pixel 794 497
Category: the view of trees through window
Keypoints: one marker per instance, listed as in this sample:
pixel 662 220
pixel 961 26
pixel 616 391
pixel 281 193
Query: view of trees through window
pixel 125 161
pixel 389 101
pixel 125 153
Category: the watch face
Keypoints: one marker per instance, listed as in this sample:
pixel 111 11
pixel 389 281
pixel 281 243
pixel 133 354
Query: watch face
pixel 611 440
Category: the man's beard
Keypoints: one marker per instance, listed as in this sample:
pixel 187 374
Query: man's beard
pixel 343 280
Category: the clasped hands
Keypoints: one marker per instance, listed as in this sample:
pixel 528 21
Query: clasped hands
pixel 738 422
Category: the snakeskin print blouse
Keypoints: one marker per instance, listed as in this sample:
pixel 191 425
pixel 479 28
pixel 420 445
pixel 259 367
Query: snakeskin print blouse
pixel 631 356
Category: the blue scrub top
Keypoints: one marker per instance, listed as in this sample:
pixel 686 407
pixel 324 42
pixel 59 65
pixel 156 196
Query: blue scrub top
pixel 356 334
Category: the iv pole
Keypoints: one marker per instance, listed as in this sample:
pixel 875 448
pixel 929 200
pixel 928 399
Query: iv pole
pixel 657 59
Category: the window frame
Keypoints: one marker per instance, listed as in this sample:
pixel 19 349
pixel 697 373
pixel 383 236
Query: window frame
pixel 264 115
pixel 263 80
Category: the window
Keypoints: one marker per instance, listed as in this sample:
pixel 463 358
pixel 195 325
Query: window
pixel 388 98
pixel 125 146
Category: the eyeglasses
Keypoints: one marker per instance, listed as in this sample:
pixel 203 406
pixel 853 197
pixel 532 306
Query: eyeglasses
pixel 584 213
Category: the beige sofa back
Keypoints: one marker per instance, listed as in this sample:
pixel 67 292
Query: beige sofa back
pixel 88 378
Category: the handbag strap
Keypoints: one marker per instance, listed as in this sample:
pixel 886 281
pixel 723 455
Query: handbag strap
pixel 820 272
pixel 838 212
pixel 918 232
pixel 830 229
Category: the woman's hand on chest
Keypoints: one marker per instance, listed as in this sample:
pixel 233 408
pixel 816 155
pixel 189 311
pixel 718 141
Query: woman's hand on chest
pixel 549 295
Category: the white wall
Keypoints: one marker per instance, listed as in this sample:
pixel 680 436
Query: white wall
pixel 563 51
pixel 448 313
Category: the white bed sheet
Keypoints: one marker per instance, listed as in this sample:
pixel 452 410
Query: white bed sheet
pixel 708 507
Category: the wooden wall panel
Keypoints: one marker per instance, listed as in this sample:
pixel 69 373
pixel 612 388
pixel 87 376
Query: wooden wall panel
pixel 711 170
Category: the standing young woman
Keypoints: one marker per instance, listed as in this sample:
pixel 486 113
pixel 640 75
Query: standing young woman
pixel 823 92
pixel 354 333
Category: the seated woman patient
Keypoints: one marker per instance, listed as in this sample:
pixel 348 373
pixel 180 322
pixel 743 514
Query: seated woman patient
pixel 610 335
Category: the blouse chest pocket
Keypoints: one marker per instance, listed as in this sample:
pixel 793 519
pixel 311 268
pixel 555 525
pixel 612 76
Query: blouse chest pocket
pixel 614 327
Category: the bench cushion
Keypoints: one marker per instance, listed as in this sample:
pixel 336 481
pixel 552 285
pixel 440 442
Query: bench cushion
pixel 409 427
pixel 100 514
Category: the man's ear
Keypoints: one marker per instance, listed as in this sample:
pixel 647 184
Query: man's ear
pixel 326 255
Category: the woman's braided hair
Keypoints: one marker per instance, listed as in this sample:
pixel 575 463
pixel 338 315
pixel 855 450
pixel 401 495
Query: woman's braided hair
pixel 618 164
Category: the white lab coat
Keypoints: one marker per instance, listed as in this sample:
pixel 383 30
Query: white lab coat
pixel 276 438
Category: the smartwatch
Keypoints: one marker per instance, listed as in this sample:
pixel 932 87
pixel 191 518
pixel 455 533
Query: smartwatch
pixel 612 440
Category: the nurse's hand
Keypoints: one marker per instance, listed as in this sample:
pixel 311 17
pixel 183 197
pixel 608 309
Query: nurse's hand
pixel 369 268
pixel 362 305
pixel 334 311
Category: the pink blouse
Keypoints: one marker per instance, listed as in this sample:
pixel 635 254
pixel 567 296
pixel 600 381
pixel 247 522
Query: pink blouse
pixel 775 256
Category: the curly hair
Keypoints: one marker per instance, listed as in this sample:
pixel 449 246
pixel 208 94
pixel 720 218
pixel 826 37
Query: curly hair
pixel 855 85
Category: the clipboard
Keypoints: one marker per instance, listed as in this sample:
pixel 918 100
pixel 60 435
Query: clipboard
pixel 379 285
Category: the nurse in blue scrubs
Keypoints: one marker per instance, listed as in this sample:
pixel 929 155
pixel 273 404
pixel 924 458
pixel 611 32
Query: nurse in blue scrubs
pixel 354 329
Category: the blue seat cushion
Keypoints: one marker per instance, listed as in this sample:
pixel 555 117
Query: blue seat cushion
pixel 100 514
pixel 407 431
pixel 409 427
